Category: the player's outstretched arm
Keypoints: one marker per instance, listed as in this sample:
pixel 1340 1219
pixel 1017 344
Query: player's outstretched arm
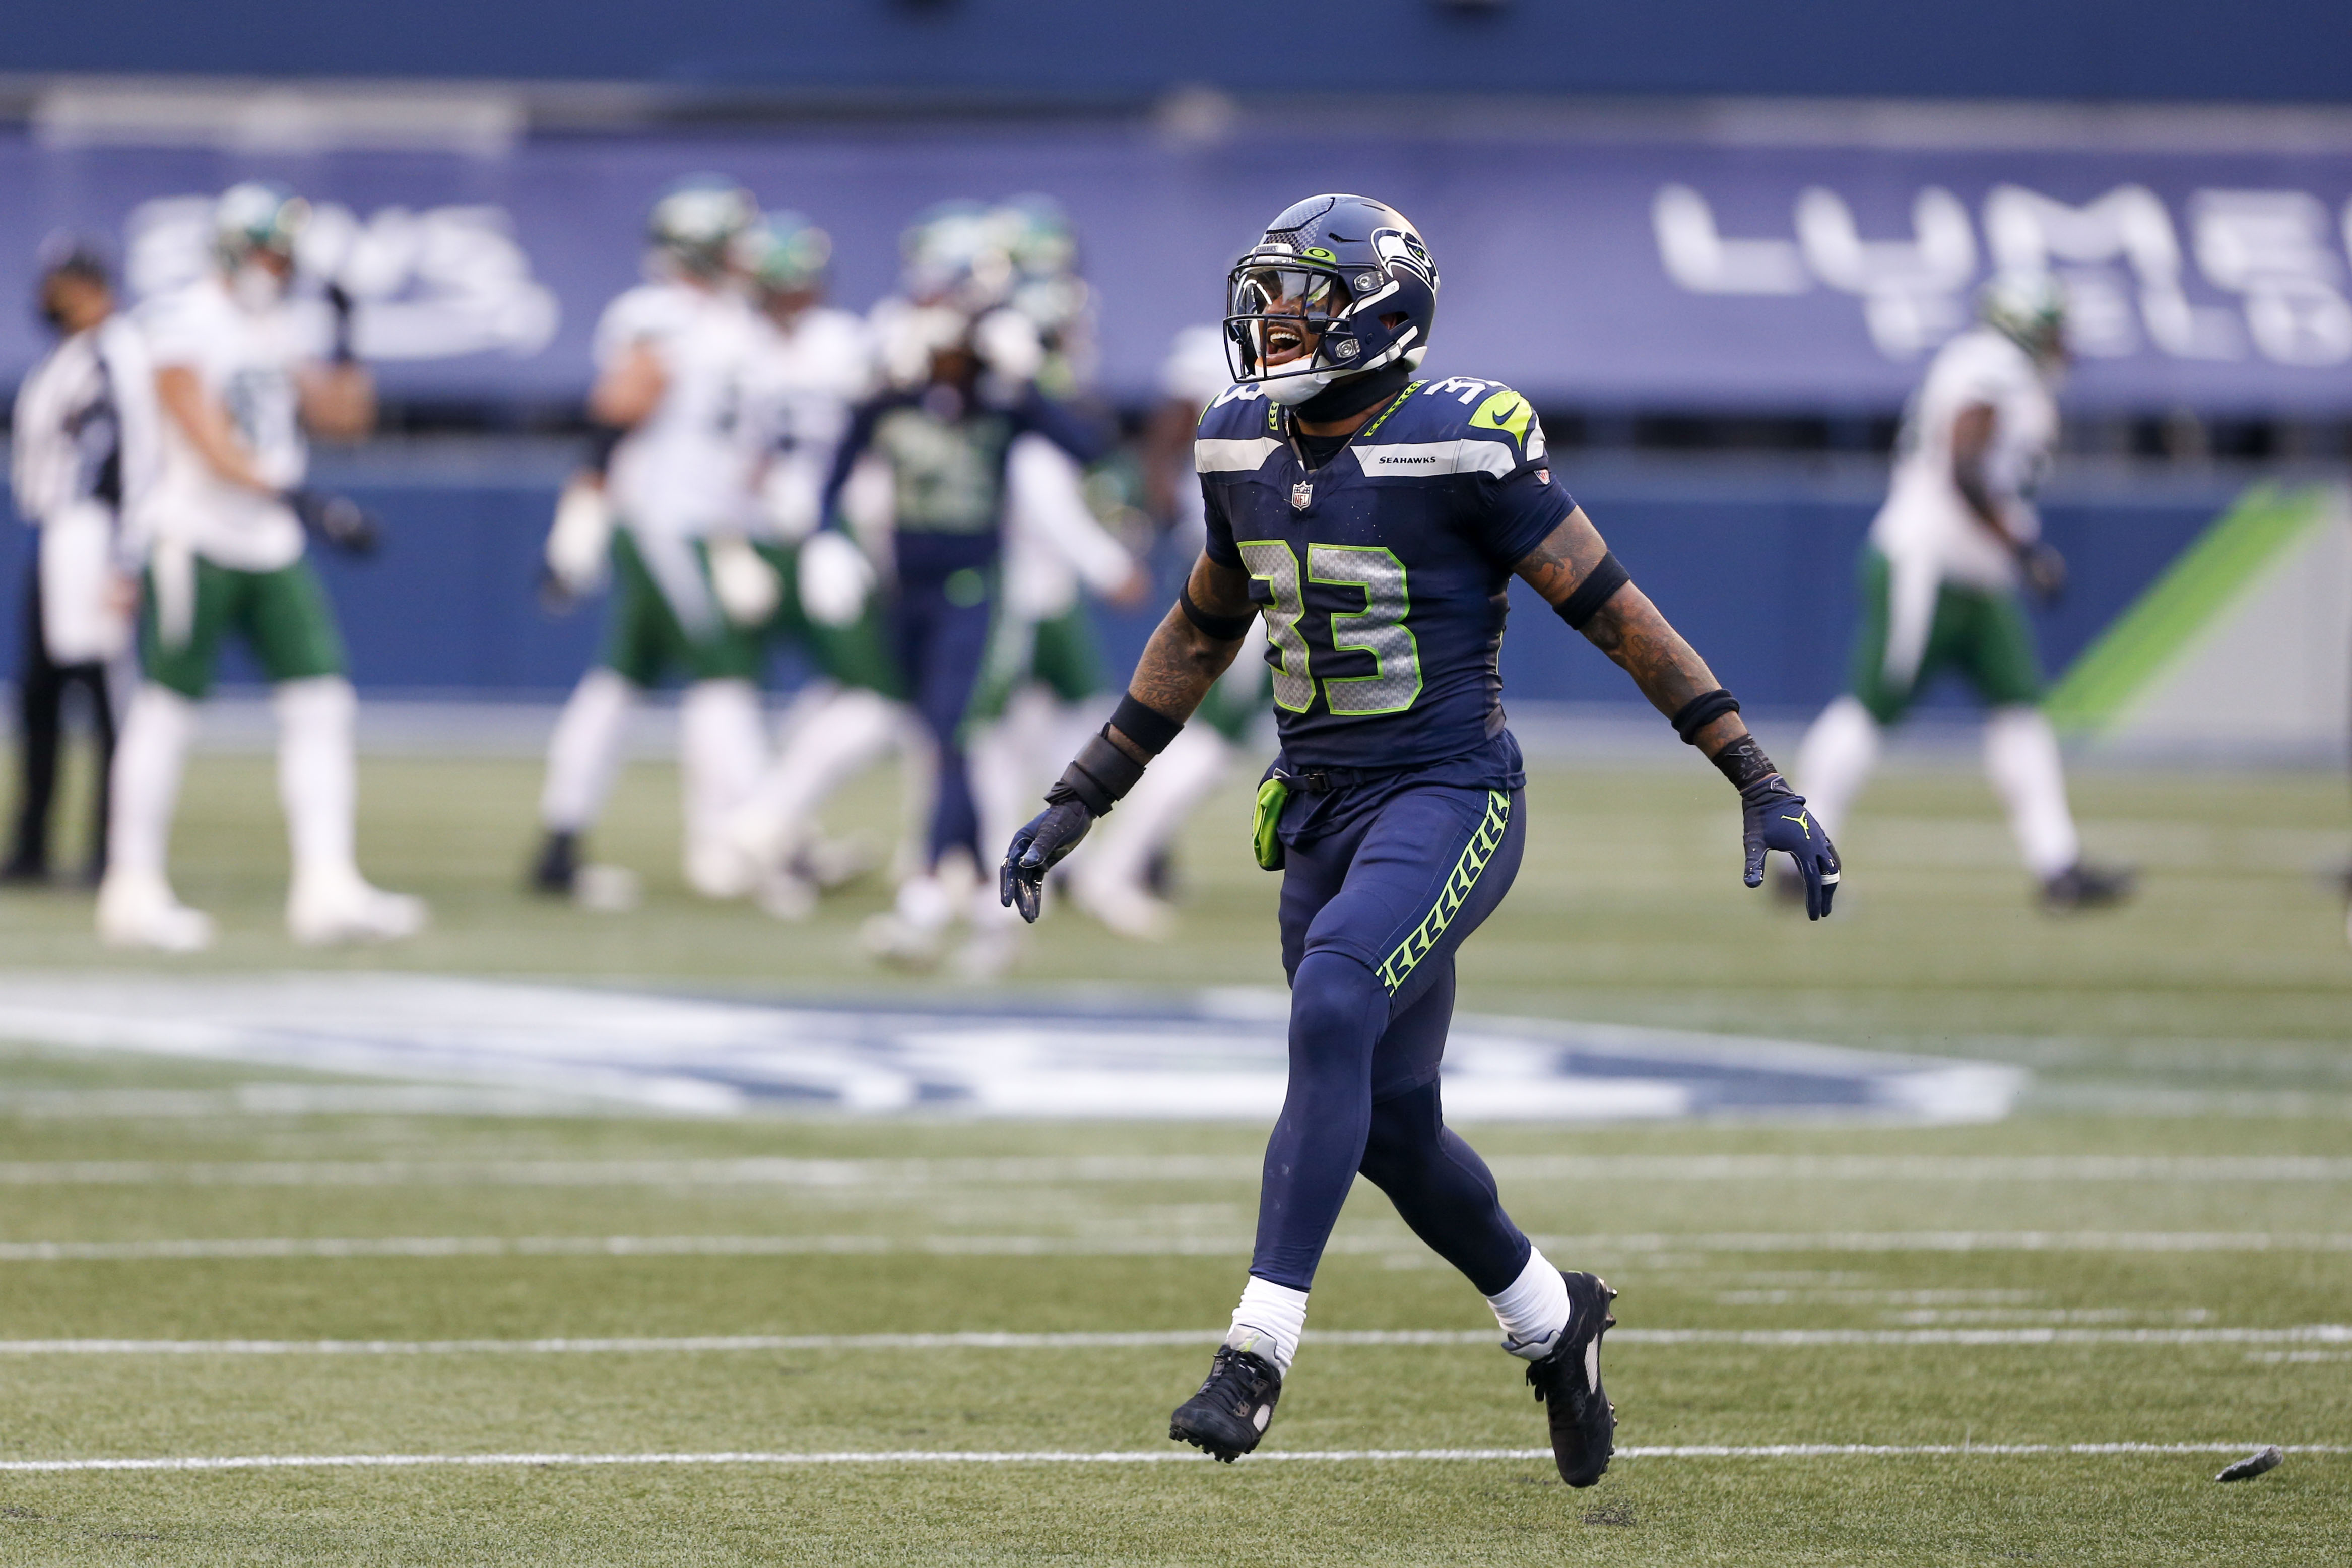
pixel 1193 646
pixel 1578 576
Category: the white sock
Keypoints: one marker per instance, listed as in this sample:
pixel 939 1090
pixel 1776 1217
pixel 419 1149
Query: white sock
pixel 2021 759
pixel 1268 1322
pixel 317 778
pixel 1533 1309
pixel 583 755
pixel 829 744
pixel 721 749
pixel 148 759
pixel 1178 780
pixel 1835 760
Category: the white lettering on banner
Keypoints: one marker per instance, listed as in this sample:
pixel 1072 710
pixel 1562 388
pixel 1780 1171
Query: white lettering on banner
pixel 2118 255
pixel 429 284
pixel 2029 232
pixel 1909 289
pixel 2272 246
pixel 1698 257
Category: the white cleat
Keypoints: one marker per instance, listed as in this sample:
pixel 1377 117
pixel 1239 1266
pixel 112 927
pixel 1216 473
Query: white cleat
pixel 141 912
pixel 988 953
pixel 331 913
pixel 902 944
pixel 716 868
pixel 606 889
pixel 785 896
pixel 1125 907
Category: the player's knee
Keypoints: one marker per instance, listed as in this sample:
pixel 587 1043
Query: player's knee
pixel 1337 1009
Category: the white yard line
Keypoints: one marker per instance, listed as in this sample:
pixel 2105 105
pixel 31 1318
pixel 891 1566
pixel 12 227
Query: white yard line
pixel 1791 1339
pixel 1148 1457
pixel 764 1172
pixel 266 1248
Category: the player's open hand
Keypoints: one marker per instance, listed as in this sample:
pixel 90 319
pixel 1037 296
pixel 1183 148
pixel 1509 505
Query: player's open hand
pixel 1036 849
pixel 1775 818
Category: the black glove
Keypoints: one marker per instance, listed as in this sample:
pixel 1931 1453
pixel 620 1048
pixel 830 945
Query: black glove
pixel 2045 571
pixel 339 301
pixel 1049 836
pixel 1088 788
pixel 1774 817
pixel 338 520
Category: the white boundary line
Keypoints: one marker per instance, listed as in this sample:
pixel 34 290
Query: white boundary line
pixel 265 1247
pixel 1789 1339
pixel 1095 1169
pixel 1055 1457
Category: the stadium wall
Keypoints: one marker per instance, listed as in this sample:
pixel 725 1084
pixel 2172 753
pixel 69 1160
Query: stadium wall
pixel 1624 264
pixel 1086 51
pixel 1755 561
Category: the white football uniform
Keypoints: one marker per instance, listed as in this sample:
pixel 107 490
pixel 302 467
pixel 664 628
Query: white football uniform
pixel 84 464
pixel 247 359
pixel 679 474
pixel 800 387
pixel 1926 526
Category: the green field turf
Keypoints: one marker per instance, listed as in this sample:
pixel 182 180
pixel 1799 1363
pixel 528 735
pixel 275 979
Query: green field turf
pixel 2183 1168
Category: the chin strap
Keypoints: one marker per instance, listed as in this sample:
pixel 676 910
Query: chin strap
pixel 1351 396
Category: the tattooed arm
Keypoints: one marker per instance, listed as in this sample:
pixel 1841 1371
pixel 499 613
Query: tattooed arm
pixel 1628 628
pixel 1182 661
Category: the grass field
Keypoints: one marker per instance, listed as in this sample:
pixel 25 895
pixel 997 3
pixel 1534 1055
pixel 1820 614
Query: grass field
pixel 2153 1252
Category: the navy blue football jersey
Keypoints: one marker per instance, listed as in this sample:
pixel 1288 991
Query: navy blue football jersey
pixel 1384 574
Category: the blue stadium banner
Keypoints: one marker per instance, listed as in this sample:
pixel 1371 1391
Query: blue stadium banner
pixel 1600 271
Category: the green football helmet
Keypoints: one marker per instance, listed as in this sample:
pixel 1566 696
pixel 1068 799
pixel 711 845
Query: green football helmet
pixel 255 217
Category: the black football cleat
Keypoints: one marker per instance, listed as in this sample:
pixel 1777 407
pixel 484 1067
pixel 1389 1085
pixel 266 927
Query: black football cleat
pixel 556 867
pixel 1230 1413
pixel 1567 1384
pixel 2086 887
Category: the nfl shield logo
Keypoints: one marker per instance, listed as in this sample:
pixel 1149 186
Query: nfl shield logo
pixel 1301 494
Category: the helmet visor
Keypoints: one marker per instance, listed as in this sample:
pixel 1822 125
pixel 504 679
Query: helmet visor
pixel 1276 317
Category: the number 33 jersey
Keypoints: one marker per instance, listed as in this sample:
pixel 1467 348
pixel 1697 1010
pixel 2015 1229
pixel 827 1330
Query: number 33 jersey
pixel 1384 574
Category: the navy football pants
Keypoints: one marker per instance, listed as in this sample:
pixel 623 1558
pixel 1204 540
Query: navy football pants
pixel 942 646
pixel 1371 914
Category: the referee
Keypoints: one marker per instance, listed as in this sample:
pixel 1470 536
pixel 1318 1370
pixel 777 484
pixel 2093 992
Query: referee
pixel 85 446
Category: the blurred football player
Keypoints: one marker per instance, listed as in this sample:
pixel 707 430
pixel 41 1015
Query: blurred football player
pixel 809 365
pixel 1375 523
pixel 965 391
pixel 1119 877
pixel 84 457
pixel 1942 580
pixel 666 511
pixel 241 370
pixel 1044 687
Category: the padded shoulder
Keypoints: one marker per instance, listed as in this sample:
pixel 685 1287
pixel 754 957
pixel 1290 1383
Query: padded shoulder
pixel 1456 425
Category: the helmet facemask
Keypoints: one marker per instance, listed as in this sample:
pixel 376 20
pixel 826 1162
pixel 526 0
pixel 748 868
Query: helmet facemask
pixel 1300 317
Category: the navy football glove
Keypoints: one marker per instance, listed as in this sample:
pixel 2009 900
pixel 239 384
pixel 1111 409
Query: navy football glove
pixel 1775 818
pixel 1036 849
pixel 338 519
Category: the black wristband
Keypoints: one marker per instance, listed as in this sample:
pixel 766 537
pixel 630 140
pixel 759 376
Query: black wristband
pixel 1599 585
pixel 1224 628
pixel 602 440
pixel 1100 778
pixel 1146 726
pixel 1702 711
pixel 1745 765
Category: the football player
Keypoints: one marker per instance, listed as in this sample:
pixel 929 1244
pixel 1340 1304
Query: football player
pixel 964 392
pixel 689 593
pixel 1942 580
pixel 809 365
pixel 83 459
pixel 1374 522
pixel 241 370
